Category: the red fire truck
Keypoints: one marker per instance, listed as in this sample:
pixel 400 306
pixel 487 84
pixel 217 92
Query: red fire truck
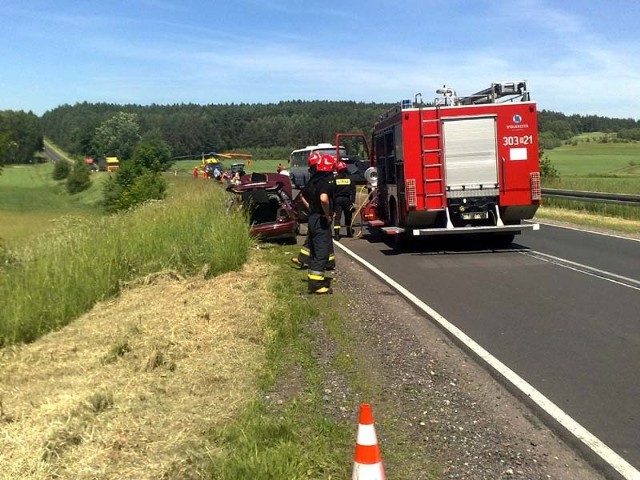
pixel 464 165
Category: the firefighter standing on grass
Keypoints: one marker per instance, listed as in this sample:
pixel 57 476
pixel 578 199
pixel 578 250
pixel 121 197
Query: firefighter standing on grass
pixel 304 256
pixel 345 197
pixel 319 195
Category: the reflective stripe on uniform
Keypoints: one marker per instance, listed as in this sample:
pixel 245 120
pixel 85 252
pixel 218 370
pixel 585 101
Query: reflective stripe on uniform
pixel 315 276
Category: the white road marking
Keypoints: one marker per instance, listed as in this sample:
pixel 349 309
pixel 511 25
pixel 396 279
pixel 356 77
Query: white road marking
pixel 609 456
pixel 587 270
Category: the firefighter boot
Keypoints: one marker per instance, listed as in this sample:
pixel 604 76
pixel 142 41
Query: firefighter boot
pixel 302 260
pixel 318 284
pixel 331 264
pixel 350 232
pixel 336 232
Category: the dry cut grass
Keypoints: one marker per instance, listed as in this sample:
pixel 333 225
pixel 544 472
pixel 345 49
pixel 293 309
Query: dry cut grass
pixel 591 221
pixel 131 389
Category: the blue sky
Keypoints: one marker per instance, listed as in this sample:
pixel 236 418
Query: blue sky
pixel 578 56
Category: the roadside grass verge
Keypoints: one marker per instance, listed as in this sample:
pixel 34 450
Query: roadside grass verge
pixel 584 218
pixel 599 210
pixel 603 183
pixel 286 433
pixel 131 388
pixel 314 378
pixel 52 279
pixel 224 379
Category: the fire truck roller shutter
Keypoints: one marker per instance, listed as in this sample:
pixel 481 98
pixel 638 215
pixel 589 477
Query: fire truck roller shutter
pixel 470 152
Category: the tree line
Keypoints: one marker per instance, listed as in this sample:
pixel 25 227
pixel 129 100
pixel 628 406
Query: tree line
pixel 190 129
pixel 266 130
pixel 556 128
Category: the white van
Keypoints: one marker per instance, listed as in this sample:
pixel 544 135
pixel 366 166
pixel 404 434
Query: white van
pixel 298 162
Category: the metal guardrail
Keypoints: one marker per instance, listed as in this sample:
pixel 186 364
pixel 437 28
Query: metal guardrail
pixel 614 198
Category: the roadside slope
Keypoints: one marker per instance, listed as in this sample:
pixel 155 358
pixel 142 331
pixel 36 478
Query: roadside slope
pixel 130 389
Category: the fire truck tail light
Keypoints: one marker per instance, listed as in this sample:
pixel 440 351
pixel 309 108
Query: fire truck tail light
pixel 536 188
pixel 412 197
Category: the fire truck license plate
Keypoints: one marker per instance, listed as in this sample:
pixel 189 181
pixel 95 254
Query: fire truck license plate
pixel 475 215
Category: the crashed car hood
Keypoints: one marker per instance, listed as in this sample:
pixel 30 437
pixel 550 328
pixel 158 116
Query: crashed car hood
pixel 263 181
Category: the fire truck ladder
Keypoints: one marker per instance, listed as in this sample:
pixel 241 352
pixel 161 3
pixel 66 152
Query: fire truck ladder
pixel 496 91
pixel 432 161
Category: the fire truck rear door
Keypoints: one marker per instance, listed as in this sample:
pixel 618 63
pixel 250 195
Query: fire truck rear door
pixel 470 153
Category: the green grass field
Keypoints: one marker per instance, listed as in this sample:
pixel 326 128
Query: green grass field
pixel 30 200
pixel 588 159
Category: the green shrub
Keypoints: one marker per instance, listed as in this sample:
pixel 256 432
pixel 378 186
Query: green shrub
pixel 61 170
pixel 547 170
pixel 79 179
pixel 149 186
pixel 130 187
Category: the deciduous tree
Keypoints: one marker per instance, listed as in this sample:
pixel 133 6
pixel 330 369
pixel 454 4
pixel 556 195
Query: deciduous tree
pixel 117 136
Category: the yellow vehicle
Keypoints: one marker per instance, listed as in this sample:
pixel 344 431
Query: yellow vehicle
pixel 113 164
pixel 214 160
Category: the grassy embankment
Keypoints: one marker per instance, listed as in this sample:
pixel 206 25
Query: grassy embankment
pixel 86 419
pixel 598 167
pixel 49 279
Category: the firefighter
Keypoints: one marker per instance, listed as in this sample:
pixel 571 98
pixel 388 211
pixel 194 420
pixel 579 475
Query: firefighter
pixel 319 195
pixel 345 197
pixel 304 256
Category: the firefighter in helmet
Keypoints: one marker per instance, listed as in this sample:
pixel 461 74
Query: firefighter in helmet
pixel 345 197
pixel 304 256
pixel 320 195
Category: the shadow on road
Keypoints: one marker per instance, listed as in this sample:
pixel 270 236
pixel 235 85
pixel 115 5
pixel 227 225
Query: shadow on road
pixel 441 245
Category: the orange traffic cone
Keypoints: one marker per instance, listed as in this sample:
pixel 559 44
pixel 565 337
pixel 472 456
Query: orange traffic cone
pixel 367 463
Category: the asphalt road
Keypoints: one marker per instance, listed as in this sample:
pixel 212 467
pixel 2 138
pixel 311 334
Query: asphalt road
pixel 561 309
pixel 51 154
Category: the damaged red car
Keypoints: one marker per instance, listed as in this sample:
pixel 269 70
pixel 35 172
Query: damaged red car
pixel 266 197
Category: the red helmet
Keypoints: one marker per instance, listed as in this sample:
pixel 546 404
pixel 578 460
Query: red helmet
pixel 326 163
pixel 314 158
pixel 340 165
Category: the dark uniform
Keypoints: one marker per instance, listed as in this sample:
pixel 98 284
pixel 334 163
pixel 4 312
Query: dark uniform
pixel 304 256
pixel 320 242
pixel 345 197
